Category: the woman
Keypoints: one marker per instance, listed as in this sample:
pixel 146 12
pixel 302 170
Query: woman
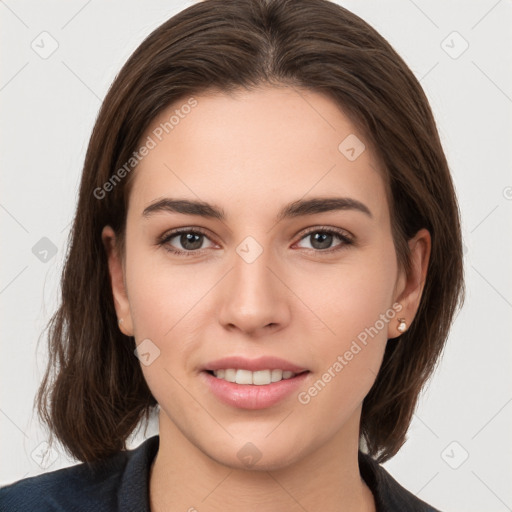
pixel 267 249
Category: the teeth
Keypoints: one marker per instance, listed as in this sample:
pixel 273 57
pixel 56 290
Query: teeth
pixel 261 377
pixel 243 377
pixel 258 378
pixel 230 375
pixel 277 375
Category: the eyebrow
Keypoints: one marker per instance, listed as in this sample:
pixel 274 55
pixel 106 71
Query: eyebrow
pixel 295 209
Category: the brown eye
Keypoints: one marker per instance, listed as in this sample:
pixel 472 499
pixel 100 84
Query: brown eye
pixel 325 240
pixel 185 241
pixel 190 241
pixel 321 240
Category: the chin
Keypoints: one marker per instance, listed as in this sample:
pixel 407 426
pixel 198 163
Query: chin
pixel 269 463
pixel 259 454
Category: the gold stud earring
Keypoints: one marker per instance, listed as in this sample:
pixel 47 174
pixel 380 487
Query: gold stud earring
pixel 402 326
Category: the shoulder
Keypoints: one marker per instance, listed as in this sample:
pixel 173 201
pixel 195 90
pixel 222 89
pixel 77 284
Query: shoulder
pixel 389 495
pixel 64 488
pixel 101 486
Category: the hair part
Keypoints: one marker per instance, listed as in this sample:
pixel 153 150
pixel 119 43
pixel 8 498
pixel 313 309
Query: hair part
pixel 93 394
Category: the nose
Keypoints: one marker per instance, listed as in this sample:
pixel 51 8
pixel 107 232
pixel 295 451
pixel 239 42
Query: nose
pixel 253 299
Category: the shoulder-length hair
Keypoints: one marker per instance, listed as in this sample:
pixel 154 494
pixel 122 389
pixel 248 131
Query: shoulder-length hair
pixel 93 393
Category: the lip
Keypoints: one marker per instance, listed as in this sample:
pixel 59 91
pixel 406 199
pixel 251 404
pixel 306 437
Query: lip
pixel 251 396
pixel 261 363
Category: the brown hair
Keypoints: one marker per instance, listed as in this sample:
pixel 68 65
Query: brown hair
pixel 93 393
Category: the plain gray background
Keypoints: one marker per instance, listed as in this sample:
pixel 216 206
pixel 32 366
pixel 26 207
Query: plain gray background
pixel 458 453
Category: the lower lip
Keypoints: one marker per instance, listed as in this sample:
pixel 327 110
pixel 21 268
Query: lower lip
pixel 251 396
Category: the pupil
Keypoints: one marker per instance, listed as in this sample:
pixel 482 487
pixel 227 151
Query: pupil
pixel 321 240
pixel 191 241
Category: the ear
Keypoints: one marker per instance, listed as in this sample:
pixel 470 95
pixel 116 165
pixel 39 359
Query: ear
pixel 116 271
pixel 410 286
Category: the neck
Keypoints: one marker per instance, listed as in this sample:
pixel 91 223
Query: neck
pixel 184 478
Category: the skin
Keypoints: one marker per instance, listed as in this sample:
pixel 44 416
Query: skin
pixel 250 154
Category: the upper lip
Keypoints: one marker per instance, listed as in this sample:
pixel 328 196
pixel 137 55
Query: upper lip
pixel 253 365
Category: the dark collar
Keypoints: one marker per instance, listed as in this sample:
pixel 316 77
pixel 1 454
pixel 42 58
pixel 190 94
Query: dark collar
pixel 388 494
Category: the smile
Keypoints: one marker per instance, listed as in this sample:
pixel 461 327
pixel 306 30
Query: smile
pixel 253 390
pixel 258 378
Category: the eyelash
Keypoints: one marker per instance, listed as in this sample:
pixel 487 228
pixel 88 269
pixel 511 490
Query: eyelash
pixel 346 240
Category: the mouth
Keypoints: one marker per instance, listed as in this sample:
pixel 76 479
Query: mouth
pixel 256 378
pixel 253 383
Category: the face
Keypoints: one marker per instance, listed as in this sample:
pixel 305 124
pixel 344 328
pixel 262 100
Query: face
pixel 258 239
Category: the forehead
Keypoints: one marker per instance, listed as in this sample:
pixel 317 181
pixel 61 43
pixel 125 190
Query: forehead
pixel 255 149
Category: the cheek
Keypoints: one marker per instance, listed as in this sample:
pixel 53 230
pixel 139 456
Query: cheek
pixel 355 307
pixel 160 294
pixel 169 306
pixel 352 298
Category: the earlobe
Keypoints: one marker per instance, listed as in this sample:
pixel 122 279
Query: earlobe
pixel 116 272
pixel 413 283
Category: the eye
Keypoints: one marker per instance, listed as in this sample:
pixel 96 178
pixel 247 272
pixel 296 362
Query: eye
pixel 326 239
pixel 191 241
pixel 185 241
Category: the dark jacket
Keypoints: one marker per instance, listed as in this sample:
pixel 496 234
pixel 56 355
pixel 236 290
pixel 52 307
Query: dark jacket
pixel 121 484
